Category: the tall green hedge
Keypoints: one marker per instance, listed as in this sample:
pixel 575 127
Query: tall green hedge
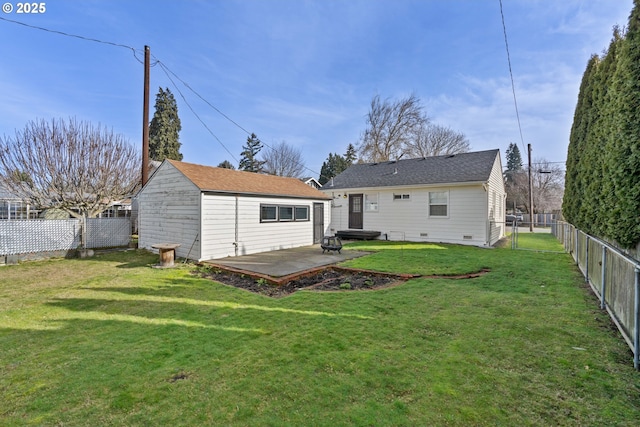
pixel 602 188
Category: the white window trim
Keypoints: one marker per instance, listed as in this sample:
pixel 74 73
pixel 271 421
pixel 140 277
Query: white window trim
pixel 264 205
pixel 368 204
pixel 448 205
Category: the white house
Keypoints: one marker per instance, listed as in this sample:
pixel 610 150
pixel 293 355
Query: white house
pixel 453 199
pixel 311 181
pixel 214 212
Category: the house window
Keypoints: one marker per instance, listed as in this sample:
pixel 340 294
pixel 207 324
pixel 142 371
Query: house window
pixel 401 196
pixel 371 202
pixel 439 203
pixel 302 213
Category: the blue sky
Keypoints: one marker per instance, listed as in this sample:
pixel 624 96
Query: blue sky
pixel 304 72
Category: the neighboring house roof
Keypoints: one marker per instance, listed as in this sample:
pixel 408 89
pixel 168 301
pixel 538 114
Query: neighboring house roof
pixel 208 178
pixel 449 169
pixel 309 180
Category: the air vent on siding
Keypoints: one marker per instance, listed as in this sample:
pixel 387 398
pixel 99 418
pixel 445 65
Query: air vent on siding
pixel 424 234
pixel 467 237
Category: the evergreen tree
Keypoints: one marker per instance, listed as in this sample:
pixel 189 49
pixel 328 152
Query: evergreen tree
pixel 514 160
pixel 593 215
pixel 622 156
pixel 164 128
pixel 602 190
pixel 249 161
pixel 350 156
pixel 582 118
pixel 513 176
pixel 331 167
pixel 226 165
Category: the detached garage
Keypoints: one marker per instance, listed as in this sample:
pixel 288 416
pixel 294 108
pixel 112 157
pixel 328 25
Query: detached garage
pixel 215 213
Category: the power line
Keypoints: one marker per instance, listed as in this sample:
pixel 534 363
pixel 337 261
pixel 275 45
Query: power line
pixel 163 67
pixel 167 72
pixel 513 87
pixel 202 98
pixel 62 33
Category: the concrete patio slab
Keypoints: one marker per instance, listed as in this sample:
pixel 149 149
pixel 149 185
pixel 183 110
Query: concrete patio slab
pixel 287 261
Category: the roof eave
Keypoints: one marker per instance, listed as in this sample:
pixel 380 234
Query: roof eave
pixel 251 194
pixel 437 184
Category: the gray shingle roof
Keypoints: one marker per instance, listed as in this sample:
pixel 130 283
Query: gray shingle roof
pixel 459 168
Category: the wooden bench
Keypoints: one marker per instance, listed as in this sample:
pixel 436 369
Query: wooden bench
pixel 167 253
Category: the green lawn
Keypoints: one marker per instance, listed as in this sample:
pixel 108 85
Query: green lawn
pixel 111 341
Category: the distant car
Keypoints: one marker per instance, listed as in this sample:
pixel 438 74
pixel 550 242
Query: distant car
pixel 509 219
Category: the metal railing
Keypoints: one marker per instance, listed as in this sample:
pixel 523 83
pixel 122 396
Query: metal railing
pixel 613 276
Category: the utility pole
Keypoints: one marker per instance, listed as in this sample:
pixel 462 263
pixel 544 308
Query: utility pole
pixel 145 119
pixel 530 191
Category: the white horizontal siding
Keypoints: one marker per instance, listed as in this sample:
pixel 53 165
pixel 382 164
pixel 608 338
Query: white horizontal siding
pixel 219 226
pixel 409 219
pixel 497 202
pixel 254 236
pixel 169 211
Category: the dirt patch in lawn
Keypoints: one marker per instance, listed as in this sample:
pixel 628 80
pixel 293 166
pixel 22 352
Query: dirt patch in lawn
pixel 320 279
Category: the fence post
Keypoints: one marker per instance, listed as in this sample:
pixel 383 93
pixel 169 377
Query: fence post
pixel 577 247
pixel 586 262
pixel 603 278
pixel 83 231
pixel 636 334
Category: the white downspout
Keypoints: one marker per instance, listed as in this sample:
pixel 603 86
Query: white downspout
pixel 235 241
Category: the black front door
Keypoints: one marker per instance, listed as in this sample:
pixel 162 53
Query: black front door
pixel 318 222
pixel 355 211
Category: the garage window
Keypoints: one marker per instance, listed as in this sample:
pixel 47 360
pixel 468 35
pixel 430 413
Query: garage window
pixel 283 213
pixel 268 213
pixel 302 213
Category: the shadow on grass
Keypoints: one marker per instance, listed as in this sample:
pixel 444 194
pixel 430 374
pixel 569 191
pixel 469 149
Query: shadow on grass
pixel 145 304
pixel 88 309
pixel 127 258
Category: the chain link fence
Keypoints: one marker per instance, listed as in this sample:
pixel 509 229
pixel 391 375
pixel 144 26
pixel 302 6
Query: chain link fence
pixel 613 276
pixel 51 235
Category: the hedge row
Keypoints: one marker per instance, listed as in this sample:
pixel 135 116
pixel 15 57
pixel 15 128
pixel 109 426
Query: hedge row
pixel 602 188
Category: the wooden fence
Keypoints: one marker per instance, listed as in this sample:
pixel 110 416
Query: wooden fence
pixel 613 276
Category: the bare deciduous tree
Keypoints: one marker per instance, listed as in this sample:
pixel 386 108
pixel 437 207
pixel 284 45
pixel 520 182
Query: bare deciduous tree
pixel 391 125
pixel 436 140
pixel 69 165
pixel 283 160
pixel 548 187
